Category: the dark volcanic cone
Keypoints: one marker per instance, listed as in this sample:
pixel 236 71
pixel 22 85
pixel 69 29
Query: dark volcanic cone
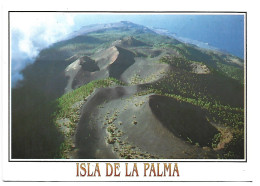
pixel 183 119
pixel 86 71
pixel 88 64
pixel 123 61
pixel 89 137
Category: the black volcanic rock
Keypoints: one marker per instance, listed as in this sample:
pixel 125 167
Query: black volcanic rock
pixel 88 64
pixel 159 105
pixel 123 61
pixel 183 119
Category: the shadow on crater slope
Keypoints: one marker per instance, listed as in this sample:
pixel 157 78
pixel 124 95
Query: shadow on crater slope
pixel 183 119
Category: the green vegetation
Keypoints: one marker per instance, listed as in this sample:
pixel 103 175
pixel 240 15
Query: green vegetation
pixel 213 59
pixel 68 110
pixel 44 120
pixel 230 117
pixel 216 140
pixel 66 101
pixel 181 81
pixel 232 71
pixel 34 134
pixel 222 107
pixel 178 62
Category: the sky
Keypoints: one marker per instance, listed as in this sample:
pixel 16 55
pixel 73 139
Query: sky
pixel 32 31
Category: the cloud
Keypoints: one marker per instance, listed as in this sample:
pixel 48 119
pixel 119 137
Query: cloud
pixel 31 32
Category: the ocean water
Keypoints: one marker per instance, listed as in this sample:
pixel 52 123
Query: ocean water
pixel 225 32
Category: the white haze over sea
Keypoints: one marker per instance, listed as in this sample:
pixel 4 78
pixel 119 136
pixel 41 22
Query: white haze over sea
pixel 32 31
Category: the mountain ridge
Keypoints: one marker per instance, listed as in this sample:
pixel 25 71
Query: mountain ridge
pixel 99 27
pixel 100 81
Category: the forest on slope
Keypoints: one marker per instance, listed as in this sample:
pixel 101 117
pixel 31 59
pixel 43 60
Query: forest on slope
pixel 124 91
